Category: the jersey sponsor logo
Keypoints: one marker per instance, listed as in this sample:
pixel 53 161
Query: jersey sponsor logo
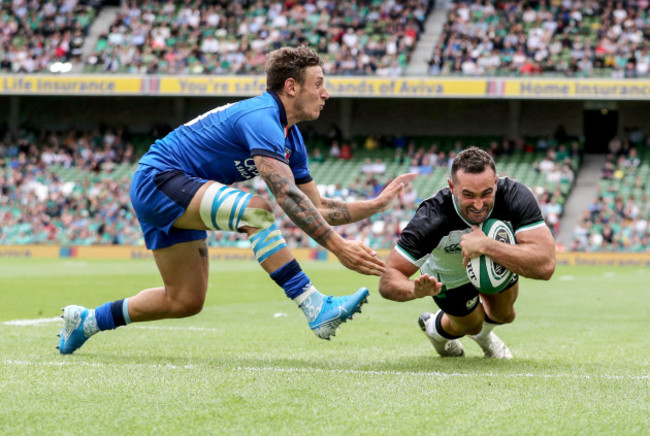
pixel 452 248
pixel 247 168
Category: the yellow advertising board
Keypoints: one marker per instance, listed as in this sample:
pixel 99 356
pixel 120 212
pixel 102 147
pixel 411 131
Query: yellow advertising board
pixel 405 87
pixel 138 252
pixel 338 86
pixel 20 251
pixel 603 259
pixel 70 85
pixel 223 253
pixel 204 86
pixel 574 89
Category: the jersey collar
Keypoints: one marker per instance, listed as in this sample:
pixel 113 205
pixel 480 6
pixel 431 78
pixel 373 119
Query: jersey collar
pixel 283 112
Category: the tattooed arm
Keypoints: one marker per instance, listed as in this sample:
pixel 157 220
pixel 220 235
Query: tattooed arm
pixel 352 254
pixel 337 212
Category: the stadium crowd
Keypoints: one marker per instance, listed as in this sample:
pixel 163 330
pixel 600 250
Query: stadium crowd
pixel 572 38
pixel 35 34
pixel 71 187
pixel 194 37
pixel 618 218
pixel 481 37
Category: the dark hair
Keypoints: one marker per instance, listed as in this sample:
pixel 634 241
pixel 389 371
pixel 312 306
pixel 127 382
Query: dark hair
pixel 289 62
pixel 472 160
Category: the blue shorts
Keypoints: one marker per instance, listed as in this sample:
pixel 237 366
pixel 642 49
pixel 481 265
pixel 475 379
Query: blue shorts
pixel 159 198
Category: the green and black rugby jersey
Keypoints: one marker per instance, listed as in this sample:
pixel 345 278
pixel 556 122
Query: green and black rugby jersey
pixel 431 240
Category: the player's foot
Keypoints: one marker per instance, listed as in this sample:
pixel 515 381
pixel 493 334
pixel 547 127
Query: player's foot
pixel 446 348
pixel 79 324
pixel 336 310
pixel 493 347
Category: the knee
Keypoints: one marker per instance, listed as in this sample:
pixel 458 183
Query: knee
pixel 258 202
pixel 188 306
pixel 257 216
pixel 505 317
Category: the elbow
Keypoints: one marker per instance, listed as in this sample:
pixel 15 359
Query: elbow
pixel 547 270
pixel 383 290
pixel 386 291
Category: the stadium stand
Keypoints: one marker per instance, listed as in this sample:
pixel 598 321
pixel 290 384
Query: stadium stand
pixel 40 35
pixel 514 38
pixel 618 217
pixel 193 37
pixel 71 187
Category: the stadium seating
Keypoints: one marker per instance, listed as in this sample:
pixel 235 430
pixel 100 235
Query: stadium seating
pixel 39 36
pixel 191 37
pixel 618 216
pixel 72 188
pixel 583 39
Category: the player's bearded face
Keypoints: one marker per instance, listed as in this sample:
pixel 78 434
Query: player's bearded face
pixel 474 194
pixel 312 94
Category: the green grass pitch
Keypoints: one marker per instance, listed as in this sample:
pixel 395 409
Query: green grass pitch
pixel 248 364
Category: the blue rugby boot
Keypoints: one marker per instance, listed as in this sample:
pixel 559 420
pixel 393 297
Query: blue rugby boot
pixel 325 314
pixel 79 324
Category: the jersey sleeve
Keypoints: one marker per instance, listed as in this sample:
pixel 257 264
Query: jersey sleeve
pixel 263 134
pixel 298 160
pixel 525 211
pixel 421 235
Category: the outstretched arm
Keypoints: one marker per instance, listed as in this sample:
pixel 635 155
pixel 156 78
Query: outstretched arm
pixel 337 212
pixel 352 254
pixel 395 283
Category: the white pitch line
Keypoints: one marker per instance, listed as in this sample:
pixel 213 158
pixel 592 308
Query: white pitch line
pixel 331 371
pixel 164 327
pixel 46 321
pixel 28 322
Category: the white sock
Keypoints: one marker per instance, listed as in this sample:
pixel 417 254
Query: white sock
pixel 306 294
pixel 90 324
pixel 310 301
pixel 432 331
pixel 485 331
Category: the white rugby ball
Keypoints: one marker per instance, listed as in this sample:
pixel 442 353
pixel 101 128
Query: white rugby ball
pixel 486 275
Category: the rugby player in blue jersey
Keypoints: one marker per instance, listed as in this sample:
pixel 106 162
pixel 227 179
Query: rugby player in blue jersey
pixel 444 234
pixel 181 189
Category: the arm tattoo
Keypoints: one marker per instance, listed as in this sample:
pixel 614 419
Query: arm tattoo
pixel 338 211
pixel 295 204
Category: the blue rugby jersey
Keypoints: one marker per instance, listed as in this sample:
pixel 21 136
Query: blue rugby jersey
pixel 220 144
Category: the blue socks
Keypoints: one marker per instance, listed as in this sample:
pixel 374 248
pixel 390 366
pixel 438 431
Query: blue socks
pixel 291 278
pixel 112 315
pixel 298 287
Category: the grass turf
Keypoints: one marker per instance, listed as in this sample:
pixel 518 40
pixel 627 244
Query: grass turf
pixel 248 364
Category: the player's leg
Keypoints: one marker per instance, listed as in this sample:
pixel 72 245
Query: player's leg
pixel 460 314
pixel 499 309
pixel 224 208
pixel 159 198
pixel 184 270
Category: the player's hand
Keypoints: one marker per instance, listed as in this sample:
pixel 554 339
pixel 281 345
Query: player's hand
pixel 394 188
pixel 357 256
pixel 426 286
pixel 472 244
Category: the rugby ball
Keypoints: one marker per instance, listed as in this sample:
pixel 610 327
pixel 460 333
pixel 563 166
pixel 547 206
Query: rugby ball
pixel 486 275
